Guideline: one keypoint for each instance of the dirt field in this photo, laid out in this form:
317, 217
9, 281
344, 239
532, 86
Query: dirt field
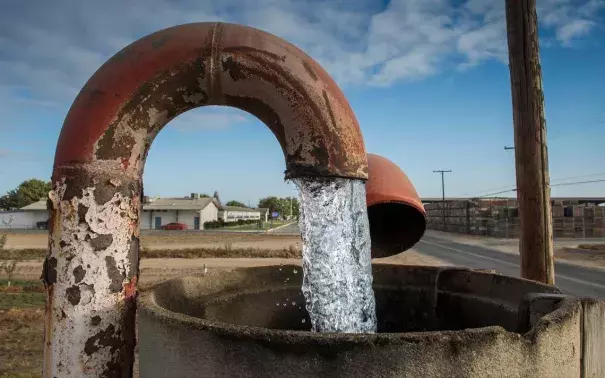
159, 269
173, 240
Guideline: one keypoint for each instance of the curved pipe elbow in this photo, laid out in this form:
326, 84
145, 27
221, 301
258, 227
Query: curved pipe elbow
141, 88
395, 211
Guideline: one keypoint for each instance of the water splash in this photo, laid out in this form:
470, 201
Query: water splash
337, 271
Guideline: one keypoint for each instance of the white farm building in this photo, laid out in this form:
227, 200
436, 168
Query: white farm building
234, 213
26, 217
192, 211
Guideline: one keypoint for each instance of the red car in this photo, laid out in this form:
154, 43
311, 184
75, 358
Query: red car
174, 226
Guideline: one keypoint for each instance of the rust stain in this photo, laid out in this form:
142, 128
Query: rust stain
257, 51
262, 111
130, 289
310, 71
160, 41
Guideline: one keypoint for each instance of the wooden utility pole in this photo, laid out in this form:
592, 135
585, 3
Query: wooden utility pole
531, 154
443, 196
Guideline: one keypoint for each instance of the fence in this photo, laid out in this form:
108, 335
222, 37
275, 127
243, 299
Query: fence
499, 217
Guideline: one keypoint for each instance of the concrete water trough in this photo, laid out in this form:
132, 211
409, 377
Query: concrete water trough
432, 322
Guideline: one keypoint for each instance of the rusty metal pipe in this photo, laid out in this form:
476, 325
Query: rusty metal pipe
91, 270
396, 214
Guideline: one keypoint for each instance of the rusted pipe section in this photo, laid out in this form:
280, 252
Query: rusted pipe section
396, 214
92, 266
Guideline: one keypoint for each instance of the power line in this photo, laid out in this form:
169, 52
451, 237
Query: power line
580, 176
561, 184
493, 194
578, 182
481, 194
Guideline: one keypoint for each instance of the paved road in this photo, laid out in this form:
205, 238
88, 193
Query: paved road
291, 229
572, 279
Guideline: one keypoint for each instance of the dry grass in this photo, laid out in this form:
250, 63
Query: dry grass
593, 256
593, 247
23, 254
171, 239
225, 251
22, 335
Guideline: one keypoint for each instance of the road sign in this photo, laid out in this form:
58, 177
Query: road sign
274, 214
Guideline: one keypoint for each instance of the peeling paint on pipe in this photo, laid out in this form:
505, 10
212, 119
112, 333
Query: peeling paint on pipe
132, 96
91, 270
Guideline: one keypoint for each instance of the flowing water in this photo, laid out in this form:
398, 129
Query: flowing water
337, 281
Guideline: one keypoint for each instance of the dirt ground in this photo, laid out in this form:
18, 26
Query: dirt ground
22, 335
175, 240
160, 269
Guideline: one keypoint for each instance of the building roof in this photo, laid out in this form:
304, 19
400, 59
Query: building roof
241, 209
39, 205
158, 204
169, 204
180, 204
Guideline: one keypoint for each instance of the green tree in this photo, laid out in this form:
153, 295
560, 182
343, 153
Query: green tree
26, 193
235, 203
204, 195
272, 203
281, 205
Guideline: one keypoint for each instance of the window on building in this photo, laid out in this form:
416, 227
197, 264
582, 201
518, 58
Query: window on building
568, 211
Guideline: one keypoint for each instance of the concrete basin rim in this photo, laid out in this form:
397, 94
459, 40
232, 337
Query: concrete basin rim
148, 305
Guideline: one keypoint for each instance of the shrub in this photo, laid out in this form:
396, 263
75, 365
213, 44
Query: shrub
9, 267
214, 224
220, 223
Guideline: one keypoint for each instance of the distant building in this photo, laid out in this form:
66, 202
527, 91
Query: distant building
26, 217
235, 213
192, 211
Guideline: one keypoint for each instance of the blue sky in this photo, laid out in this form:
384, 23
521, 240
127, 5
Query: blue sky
428, 81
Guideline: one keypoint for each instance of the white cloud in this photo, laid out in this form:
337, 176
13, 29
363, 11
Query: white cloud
213, 118
49, 49
574, 29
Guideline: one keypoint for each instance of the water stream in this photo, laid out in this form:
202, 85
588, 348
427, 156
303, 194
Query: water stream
337, 282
